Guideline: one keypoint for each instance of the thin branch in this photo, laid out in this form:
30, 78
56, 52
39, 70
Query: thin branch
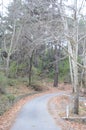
63, 58
81, 38
81, 6
80, 65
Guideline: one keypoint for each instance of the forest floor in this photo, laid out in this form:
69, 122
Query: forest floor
58, 111
7, 119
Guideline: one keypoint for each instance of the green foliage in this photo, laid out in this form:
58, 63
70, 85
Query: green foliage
12, 82
11, 98
35, 70
82, 22
63, 69
46, 69
21, 66
23, 80
13, 68
51, 73
3, 80
5, 102
17, 69
40, 67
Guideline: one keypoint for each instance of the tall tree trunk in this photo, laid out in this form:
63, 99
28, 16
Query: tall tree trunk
56, 68
76, 90
74, 75
36, 59
84, 62
30, 67
73, 51
10, 49
71, 65
76, 103
75, 55
7, 65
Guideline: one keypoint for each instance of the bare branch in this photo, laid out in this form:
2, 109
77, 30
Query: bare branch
81, 38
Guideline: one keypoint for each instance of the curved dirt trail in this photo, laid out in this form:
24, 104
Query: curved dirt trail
34, 115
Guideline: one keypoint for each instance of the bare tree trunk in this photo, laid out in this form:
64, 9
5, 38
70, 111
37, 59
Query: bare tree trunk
84, 62
75, 51
7, 65
71, 65
30, 67
10, 50
76, 103
83, 77
56, 68
74, 76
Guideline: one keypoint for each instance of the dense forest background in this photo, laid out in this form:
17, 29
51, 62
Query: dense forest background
42, 41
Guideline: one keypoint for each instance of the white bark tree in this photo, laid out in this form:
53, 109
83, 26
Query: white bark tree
12, 31
72, 36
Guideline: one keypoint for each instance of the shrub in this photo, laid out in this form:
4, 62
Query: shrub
11, 98
3, 83
13, 68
